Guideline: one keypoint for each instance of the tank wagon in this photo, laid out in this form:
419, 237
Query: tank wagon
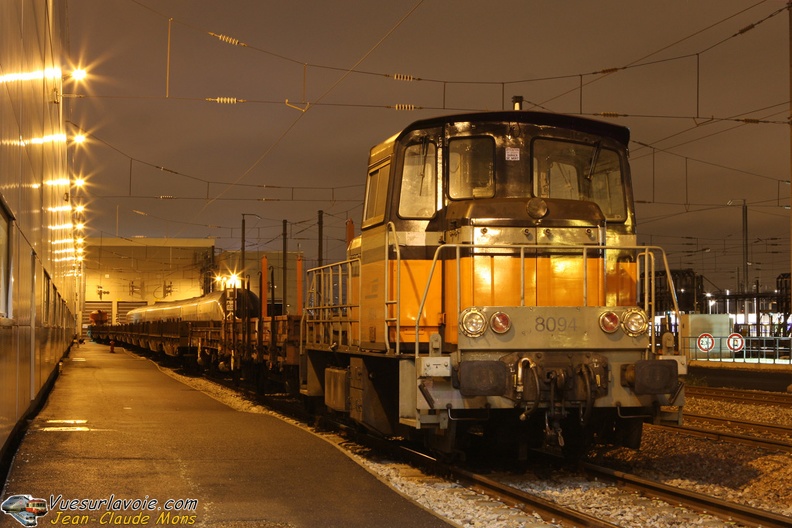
214, 329
496, 290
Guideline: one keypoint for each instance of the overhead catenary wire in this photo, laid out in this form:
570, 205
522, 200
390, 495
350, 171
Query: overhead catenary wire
636, 63
608, 71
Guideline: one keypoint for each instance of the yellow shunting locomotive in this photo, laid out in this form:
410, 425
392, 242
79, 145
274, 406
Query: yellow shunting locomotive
496, 287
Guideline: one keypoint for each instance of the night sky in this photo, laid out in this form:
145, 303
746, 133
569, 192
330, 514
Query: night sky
703, 85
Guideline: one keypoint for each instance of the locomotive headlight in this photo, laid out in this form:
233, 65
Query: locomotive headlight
609, 322
635, 322
500, 322
473, 323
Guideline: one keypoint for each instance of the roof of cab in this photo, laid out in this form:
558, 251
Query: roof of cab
581, 124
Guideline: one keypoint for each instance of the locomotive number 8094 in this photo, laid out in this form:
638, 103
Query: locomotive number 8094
496, 287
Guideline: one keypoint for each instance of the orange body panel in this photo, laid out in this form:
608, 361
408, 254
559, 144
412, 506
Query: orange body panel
555, 281
485, 280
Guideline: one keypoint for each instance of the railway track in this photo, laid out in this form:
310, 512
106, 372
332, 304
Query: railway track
528, 502
734, 437
728, 511
750, 426
739, 396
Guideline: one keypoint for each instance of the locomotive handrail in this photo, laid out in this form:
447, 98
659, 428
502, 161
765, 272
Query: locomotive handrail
391, 229
317, 312
645, 252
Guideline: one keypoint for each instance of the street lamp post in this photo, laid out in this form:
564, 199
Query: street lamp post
242, 256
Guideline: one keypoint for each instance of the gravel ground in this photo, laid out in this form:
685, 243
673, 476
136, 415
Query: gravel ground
751, 476
751, 412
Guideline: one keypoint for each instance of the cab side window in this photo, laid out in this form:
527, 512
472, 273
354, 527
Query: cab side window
418, 196
376, 195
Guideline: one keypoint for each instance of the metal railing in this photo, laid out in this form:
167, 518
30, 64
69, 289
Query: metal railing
392, 240
645, 258
330, 313
732, 349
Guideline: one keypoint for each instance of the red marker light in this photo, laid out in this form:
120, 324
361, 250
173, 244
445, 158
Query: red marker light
609, 322
500, 322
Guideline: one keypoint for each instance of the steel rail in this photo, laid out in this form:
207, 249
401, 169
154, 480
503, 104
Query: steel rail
739, 396
743, 424
728, 511
528, 502
753, 441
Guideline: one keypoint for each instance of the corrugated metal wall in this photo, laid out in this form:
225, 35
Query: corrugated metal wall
37, 291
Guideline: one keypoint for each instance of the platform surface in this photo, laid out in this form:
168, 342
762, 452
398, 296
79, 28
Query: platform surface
134, 446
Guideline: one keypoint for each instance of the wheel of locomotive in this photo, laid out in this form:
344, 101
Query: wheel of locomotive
507, 434
189, 363
629, 432
448, 445
247, 373
603, 427
291, 381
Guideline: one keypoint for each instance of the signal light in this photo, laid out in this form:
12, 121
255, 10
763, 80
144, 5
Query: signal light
500, 322
635, 322
609, 322
473, 323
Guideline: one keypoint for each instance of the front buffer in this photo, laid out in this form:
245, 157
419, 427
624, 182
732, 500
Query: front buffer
564, 376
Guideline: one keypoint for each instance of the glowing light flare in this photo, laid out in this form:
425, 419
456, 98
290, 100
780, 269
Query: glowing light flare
50, 138
229, 281
77, 182
36, 75
59, 181
66, 208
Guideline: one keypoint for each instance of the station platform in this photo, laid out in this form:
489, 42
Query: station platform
120, 442
743, 374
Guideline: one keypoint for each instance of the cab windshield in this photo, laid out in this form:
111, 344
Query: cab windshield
578, 171
554, 168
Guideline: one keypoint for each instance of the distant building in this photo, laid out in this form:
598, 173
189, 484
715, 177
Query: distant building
120, 274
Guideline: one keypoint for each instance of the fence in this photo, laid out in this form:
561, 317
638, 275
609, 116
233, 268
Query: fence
736, 348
